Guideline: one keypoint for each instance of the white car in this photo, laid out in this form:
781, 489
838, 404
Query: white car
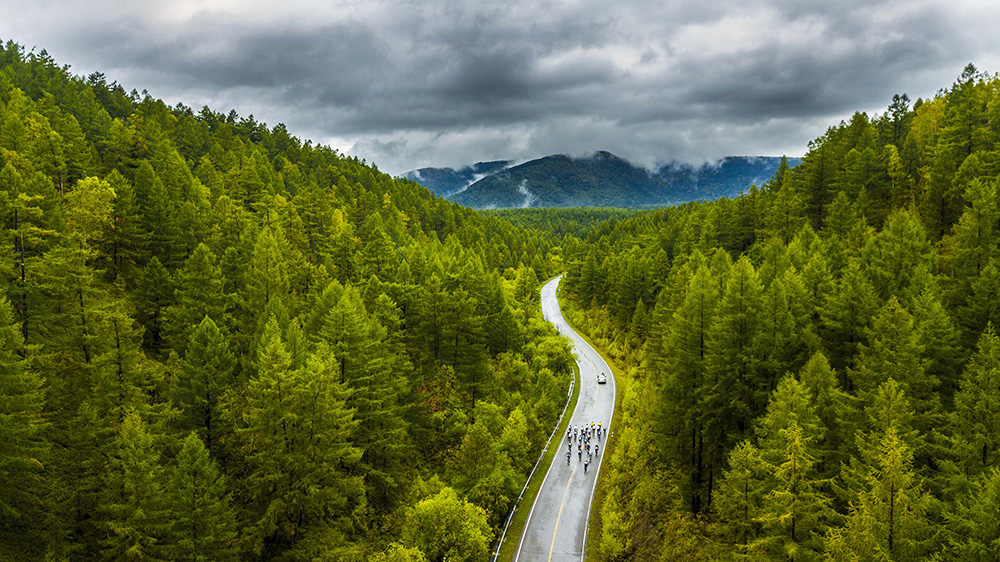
602, 378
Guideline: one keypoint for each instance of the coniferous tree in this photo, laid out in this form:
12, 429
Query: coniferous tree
202, 525
133, 504
974, 242
845, 315
199, 293
796, 510
156, 295
24, 451
972, 523
982, 304
976, 420
888, 517
737, 395
206, 374
685, 386
894, 352
291, 430
739, 502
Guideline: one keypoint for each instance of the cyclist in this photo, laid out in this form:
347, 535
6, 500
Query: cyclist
567, 457
596, 449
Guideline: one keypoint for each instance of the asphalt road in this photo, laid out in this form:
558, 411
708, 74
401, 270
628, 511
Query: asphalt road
557, 524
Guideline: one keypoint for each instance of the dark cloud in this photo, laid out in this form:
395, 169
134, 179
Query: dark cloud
410, 83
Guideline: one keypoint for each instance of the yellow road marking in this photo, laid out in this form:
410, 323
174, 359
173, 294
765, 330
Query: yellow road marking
558, 517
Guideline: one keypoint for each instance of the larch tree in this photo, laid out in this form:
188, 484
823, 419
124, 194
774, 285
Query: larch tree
206, 374
292, 430
976, 420
134, 514
201, 522
24, 450
888, 518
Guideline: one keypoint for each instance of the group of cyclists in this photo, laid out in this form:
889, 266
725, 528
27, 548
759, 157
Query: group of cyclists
582, 435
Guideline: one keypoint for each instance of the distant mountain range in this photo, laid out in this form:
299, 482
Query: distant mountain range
446, 182
602, 180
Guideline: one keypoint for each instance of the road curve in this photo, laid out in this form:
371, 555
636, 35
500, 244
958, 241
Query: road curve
557, 524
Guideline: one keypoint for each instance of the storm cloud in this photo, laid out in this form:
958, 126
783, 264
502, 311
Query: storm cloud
414, 83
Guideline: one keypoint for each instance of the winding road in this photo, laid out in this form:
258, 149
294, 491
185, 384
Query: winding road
556, 529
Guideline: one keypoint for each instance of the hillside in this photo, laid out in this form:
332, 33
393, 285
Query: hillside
447, 182
222, 342
813, 366
605, 180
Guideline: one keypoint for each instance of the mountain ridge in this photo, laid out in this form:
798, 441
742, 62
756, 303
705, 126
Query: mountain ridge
600, 180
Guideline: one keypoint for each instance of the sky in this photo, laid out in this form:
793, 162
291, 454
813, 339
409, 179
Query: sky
407, 84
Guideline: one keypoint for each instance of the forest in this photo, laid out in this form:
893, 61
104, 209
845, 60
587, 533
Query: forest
812, 369
219, 342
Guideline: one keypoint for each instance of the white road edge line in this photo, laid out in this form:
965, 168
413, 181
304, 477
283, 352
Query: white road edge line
552, 465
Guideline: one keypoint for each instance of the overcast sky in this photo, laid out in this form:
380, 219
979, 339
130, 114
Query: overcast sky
415, 83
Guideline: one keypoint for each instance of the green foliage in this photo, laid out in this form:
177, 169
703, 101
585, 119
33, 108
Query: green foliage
292, 429
444, 527
133, 504
202, 523
889, 518
190, 294
24, 451
871, 270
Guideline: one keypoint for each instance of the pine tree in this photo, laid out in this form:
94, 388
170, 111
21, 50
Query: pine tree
739, 502
973, 523
199, 293
202, 525
982, 305
795, 512
834, 408
123, 245
779, 340
737, 394
374, 371
976, 420
899, 249
791, 403
159, 217
894, 352
888, 518
684, 387
24, 218
940, 339
133, 502
155, 296
292, 431
785, 214
206, 374
845, 315
267, 278
974, 242
24, 451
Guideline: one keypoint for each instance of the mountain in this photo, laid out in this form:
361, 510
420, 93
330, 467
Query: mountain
601, 180
727, 177
446, 182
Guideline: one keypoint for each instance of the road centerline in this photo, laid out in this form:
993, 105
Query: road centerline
558, 517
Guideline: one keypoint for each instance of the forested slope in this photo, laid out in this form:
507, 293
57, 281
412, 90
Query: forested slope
222, 343
814, 367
